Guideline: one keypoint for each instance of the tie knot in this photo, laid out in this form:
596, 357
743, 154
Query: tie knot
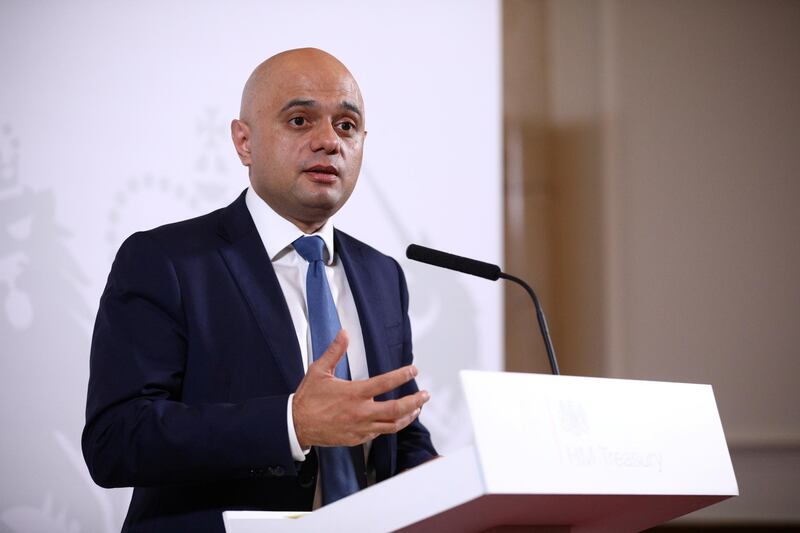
310, 248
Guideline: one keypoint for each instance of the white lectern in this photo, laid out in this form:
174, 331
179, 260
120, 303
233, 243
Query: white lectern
550, 454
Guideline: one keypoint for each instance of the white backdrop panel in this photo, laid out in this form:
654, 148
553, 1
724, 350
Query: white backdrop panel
114, 118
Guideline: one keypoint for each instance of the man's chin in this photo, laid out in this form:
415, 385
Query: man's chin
322, 201
319, 211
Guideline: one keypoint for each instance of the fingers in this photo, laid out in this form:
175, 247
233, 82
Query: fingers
331, 357
393, 410
396, 425
378, 385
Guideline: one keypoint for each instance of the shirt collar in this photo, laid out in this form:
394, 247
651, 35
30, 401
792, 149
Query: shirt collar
278, 234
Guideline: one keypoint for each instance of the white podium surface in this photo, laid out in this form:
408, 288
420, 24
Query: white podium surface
585, 455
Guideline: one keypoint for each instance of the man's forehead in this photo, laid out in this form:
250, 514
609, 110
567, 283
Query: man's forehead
310, 76
310, 82
316, 90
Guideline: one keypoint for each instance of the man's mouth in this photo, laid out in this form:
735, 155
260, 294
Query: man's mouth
322, 173
323, 169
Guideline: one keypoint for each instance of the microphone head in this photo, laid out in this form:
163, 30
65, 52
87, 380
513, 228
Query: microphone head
453, 262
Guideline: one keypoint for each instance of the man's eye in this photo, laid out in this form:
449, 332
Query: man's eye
347, 126
298, 121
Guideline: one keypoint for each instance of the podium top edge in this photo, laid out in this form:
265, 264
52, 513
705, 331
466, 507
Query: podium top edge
538, 375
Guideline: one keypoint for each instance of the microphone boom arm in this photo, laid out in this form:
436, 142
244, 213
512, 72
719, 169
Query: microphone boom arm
548, 343
488, 271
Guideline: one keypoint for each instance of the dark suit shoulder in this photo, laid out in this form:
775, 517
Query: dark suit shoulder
369, 253
187, 236
198, 235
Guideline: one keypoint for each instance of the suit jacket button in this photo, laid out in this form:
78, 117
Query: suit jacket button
278, 471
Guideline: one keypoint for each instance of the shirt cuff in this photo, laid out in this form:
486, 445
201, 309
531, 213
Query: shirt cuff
298, 453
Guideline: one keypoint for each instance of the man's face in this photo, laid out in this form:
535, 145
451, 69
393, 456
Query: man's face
305, 139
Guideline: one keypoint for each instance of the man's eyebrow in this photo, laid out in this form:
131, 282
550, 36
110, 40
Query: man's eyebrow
298, 102
350, 106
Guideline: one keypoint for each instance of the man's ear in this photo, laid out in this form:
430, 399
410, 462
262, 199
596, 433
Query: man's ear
240, 133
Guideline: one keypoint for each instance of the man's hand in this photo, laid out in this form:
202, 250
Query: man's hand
329, 411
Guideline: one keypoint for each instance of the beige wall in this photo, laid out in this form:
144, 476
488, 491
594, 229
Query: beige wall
653, 183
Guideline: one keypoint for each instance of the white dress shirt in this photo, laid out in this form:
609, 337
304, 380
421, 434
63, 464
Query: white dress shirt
277, 234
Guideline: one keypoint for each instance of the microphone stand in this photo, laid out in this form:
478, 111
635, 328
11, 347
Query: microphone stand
488, 271
548, 343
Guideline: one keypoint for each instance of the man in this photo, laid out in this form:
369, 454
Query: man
197, 394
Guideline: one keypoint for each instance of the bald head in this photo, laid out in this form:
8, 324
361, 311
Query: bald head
288, 66
301, 133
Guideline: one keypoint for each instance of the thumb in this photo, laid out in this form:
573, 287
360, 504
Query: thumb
331, 357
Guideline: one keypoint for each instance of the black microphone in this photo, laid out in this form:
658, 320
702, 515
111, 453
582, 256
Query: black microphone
488, 271
453, 262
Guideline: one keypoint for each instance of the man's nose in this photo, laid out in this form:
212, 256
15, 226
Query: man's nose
324, 137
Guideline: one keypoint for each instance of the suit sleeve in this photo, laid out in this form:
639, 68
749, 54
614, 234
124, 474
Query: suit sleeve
414, 445
138, 432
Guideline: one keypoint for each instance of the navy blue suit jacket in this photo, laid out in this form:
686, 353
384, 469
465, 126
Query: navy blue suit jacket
193, 358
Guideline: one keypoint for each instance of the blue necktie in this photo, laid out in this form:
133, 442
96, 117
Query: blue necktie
337, 471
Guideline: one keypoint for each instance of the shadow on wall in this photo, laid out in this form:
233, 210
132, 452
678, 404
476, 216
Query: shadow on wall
445, 341
44, 325
445, 328
45, 486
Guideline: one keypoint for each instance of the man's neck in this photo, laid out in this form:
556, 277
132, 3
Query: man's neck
306, 227
277, 231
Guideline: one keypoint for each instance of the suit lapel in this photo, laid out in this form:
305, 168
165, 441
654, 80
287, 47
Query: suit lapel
249, 264
369, 304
